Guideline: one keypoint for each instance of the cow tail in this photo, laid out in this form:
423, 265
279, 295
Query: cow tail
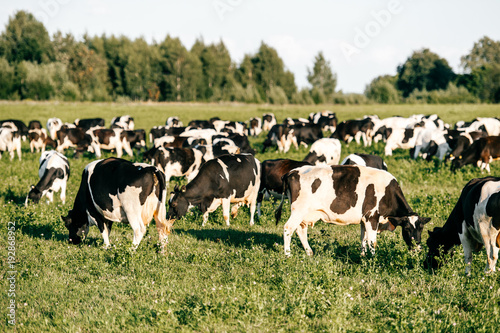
161, 211
277, 213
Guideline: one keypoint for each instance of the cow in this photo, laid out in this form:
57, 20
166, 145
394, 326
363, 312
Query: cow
305, 134
116, 190
177, 162
489, 125
268, 121
347, 194
136, 138
474, 222
431, 142
404, 138
367, 160
123, 122
108, 139
279, 135
229, 127
54, 125
200, 124
73, 137
223, 146
271, 183
463, 141
34, 124
221, 181
157, 132
173, 122
22, 129
39, 139
255, 126
480, 153
238, 140
355, 129
10, 141
54, 174
325, 151
88, 123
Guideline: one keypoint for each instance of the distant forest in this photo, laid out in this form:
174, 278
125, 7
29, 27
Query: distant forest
35, 66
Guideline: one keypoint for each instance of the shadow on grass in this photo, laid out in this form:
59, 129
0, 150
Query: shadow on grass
10, 196
45, 231
237, 238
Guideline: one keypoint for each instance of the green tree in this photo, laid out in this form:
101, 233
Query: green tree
7, 79
383, 90
484, 52
25, 38
423, 70
321, 77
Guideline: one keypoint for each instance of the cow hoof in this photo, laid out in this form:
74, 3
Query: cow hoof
309, 252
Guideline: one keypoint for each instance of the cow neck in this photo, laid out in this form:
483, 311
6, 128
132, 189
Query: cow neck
47, 180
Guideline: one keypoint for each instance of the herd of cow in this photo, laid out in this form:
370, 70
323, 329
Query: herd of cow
218, 161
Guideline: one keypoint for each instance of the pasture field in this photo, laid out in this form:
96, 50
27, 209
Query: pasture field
237, 279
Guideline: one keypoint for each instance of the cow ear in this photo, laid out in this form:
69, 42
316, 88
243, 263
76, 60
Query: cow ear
183, 188
32, 186
395, 221
425, 220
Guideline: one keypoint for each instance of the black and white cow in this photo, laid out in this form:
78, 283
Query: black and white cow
116, 190
75, 138
108, 139
255, 126
404, 138
173, 122
178, 162
34, 124
123, 122
54, 125
463, 141
431, 142
54, 174
10, 141
481, 153
345, 195
221, 181
22, 129
326, 119
268, 121
372, 161
229, 127
135, 138
355, 129
39, 139
271, 183
474, 223
324, 151
200, 124
305, 134
238, 140
279, 135
88, 123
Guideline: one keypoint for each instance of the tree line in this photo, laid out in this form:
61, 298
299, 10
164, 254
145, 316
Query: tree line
34, 65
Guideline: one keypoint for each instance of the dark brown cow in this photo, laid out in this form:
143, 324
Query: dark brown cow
355, 129
480, 153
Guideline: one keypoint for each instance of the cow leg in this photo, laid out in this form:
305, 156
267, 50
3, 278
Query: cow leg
468, 244
106, 230
226, 207
368, 237
253, 206
290, 226
213, 206
63, 192
490, 234
128, 149
50, 196
302, 233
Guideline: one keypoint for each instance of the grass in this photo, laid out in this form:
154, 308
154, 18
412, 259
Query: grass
236, 278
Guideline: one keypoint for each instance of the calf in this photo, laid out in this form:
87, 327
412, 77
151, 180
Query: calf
324, 151
88, 123
123, 122
116, 190
474, 222
480, 153
255, 126
39, 139
177, 162
10, 141
347, 195
221, 181
367, 160
271, 183
54, 174
54, 125
268, 121
108, 139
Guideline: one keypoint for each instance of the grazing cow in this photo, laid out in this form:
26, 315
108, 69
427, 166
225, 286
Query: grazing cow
480, 153
123, 122
367, 160
22, 129
328, 123
223, 146
221, 181
463, 141
324, 151
404, 138
135, 138
268, 121
474, 223
10, 141
116, 190
305, 134
177, 162
255, 127
34, 124
279, 135
489, 125
238, 140
206, 134
73, 137
431, 142
39, 139
200, 124
355, 129
87, 124
157, 132
54, 174
229, 127
54, 125
345, 195
173, 122
108, 139
271, 183
315, 117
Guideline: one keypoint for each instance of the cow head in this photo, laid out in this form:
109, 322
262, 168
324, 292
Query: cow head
412, 227
178, 203
34, 195
457, 163
78, 227
439, 243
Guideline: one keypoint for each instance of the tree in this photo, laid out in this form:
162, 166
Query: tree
321, 77
7, 76
25, 38
485, 52
382, 89
423, 70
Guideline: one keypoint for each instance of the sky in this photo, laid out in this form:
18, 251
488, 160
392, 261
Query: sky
362, 39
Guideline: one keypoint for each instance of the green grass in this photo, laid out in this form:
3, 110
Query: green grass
219, 279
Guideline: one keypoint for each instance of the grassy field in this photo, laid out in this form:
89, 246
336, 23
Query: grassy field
236, 278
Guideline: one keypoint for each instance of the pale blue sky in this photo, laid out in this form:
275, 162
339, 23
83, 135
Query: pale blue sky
297, 29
